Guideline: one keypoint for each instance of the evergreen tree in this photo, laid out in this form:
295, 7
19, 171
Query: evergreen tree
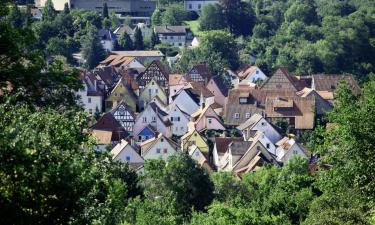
15, 17
156, 18
138, 39
48, 12
66, 10
154, 39
105, 13
92, 49
126, 42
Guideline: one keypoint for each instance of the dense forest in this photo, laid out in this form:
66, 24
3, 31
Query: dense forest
51, 174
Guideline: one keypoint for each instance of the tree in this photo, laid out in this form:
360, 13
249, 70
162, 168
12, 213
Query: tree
154, 39
221, 43
128, 21
48, 11
212, 18
66, 10
105, 13
138, 39
174, 15
115, 21
126, 42
15, 17
156, 18
60, 184
106, 23
92, 49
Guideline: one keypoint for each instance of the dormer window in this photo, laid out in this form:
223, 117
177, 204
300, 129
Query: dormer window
236, 115
162, 140
243, 100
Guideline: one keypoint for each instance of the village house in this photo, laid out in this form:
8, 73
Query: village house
288, 148
122, 63
200, 74
205, 118
251, 73
125, 116
257, 123
146, 133
201, 158
218, 89
108, 131
245, 156
322, 106
193, 137
107, 39
221, 147
283, 80
107, 78
150, 91
121, 92
159, 147
91, 97
124, 152
156, 117
176, 83
157, 72
173, 35
180, 120
264, 140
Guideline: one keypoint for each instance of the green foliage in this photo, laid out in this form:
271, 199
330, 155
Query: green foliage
50, 173
167, 49
156, 18
115, 21
125, 42
212, 18
105, 13
66, 10
48, 11
128, 21
15, 17
58, 46
138, 40
92, 49
174, 14
154, 39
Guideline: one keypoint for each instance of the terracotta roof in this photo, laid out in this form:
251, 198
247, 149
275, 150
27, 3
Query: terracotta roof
329, 82
222, 143
171, 29
108, 123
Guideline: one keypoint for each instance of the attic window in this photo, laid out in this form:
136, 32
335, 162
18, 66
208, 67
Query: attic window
268, 145
263, 123
257, 72
162, 140
243, 100
127, 158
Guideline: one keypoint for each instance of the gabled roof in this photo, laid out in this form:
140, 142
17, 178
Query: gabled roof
285, 144
239, 147
246, 70
199, 89
124, 29
147, 145
175, 79
119, 148
108, 123
220, 84
127, 108
160, 67
127, 87
222, 143
298, 84
251, 122
106, 34
330, 82
171, 29
108, 75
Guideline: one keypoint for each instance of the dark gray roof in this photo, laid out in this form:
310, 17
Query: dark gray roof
220, 84
171, 29
240, 147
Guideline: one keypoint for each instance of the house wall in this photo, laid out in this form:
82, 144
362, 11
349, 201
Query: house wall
129, 152
150, 91
295, 150
152, 153
134, 65
195, 139
107, 45
219, 97
216, 157
90, 103
256, 75
175, 40
173, 90
197, 6
179, 128
118, 94
268, 130
153, 120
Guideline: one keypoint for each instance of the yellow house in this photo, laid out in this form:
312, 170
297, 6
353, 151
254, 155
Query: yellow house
193, 138
121, 92
152, 90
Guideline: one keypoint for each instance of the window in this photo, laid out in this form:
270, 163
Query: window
149, 91
190, 6
115, 94
139, 137
181, 128
178, 118
268, 145
165, 151
179, 44
172, 118
158, 150
199, 6
209, 121
153, 119
295, 152
196, 153
127, 158
162, 140
144, 119
257, 72
237, 115
171, 37
156, 91
89, 100
263, 124
175, 91
243, 100
90, 111
247, 115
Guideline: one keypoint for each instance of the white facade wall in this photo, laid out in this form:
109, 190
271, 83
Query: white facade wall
197, 6
185, 103
175, 40
90, 103
129, 155
180, 126
256, 75
154, 153
268, 130
149, 117
295, 150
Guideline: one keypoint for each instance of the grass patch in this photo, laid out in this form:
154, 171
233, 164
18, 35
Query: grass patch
194, 26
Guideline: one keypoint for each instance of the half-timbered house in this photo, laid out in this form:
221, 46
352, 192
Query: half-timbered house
155, 71
199, 73
125, 116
